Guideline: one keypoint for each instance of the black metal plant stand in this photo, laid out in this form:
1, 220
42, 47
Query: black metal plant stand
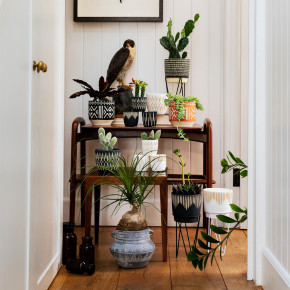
180, 234
180, 87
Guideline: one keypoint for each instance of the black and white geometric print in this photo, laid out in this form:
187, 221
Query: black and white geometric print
103, 158
177, 67
139, 104
149, 119
101, 110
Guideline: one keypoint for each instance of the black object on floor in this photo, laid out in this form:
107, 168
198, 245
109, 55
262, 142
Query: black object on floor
79, 267
69, 242
87, 250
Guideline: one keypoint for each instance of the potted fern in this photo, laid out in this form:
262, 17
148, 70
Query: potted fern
106, 153
101, 109
150, 143
177, 65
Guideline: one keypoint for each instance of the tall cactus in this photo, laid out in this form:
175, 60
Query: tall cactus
170, 43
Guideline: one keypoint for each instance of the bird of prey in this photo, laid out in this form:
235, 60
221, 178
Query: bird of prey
121, 62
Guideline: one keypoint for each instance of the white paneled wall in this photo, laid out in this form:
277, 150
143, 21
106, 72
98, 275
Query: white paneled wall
216, 77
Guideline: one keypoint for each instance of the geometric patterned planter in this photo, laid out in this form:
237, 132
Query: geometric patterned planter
177, 67
103, 157
155, 102
150, 147
101, 113
139, 104
189, 117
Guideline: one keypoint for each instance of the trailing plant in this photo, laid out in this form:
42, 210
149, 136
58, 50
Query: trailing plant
98, 95
151, 136
169, 42
185, 188
199, 259
234, 162
139, 84
106, 141
180, 109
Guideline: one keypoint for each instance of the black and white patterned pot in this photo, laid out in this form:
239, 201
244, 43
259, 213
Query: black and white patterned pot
186, 208
103, 157
131, 119
149, 119
139, 104
177, 67
101, 113
132, 249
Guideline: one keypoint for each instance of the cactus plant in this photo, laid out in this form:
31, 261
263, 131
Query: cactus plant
170, 43
151, 136
139, 84
106, 141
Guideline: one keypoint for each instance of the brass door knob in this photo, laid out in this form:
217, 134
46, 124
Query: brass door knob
41, 66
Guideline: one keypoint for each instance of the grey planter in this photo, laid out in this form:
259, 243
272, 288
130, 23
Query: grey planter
132, 249
177, 67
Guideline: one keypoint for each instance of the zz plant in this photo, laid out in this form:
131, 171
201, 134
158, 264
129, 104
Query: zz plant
151, 136
199, 259
106, 141
169, 42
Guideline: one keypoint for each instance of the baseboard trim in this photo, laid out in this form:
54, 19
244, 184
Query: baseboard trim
280, 271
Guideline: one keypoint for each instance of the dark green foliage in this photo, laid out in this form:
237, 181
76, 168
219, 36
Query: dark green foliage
234, 162
169, 42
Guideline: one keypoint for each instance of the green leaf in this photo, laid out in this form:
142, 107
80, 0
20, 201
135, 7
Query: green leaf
165, 42
236, 208
144, 136
209, 238
225, 169
196, 251
239, 160
244, 173
218, 230
182, 44
212, 256
237, 215
195, 263
205, 261
203, 245
177, 36
191, 256
233, 157
184, 55
225, 219
157, 135
200, 266
243, 218
224, 163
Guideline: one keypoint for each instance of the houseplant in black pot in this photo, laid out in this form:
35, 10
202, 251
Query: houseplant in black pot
139, 103
106, 153
186, 198
178, 66
101, 109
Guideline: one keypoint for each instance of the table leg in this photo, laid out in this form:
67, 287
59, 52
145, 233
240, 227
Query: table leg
88, 209
83, 164
164, 212
97, 191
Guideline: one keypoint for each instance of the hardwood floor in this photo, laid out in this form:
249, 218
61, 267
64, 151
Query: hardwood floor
175, 274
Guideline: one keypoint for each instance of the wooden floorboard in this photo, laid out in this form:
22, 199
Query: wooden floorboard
175, 274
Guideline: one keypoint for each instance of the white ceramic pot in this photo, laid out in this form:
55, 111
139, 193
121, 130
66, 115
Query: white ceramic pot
155, 102
150, 147
143, 162
217, 201
158, 162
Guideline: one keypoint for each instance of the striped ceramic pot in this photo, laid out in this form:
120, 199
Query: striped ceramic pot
139, 104
177, 67
155, 102
101, 113
217, 201
186, 208
149, 119
131, 119
189, 118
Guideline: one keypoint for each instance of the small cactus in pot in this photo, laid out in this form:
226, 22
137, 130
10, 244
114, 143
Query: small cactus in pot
139, 103
150, 143
107, 152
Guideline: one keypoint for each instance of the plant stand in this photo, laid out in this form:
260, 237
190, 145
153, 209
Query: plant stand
180, 234
181, 84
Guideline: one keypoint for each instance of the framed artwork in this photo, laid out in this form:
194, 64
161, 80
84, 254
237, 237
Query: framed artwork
118, 10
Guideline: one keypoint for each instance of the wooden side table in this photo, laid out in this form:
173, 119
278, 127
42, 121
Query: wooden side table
196, 133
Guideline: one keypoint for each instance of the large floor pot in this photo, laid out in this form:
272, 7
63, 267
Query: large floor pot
139, 104
177, 67
189, 118
155, 102
103, 157
101, 113
186, 208
217, 201
132, 249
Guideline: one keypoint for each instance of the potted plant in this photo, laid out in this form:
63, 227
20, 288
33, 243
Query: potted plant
150, 143
132, 247
155, 102
139, 102
101, 110
106, 153
176, 65
186, 197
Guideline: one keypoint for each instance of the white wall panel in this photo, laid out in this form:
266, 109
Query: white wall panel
91, 46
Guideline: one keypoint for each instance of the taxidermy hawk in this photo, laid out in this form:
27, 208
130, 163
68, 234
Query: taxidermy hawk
121, 62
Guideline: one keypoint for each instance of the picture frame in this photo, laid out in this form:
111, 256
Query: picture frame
109, 11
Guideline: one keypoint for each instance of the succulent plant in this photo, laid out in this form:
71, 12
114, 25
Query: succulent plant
151, 136
106, 141
139, 84
170, 43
